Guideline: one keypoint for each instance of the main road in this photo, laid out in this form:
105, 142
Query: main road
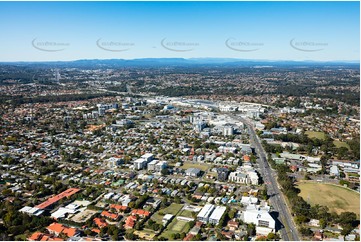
288, 231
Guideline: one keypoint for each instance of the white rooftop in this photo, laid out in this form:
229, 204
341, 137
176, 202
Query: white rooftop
206, 211
218, 213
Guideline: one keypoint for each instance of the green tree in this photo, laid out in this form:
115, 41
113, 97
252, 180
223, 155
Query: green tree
251, 229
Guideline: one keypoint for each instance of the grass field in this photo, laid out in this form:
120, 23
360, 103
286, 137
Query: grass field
186, 213
200, 166
173, 209
314, 134
336, 198
175, 227
340, 144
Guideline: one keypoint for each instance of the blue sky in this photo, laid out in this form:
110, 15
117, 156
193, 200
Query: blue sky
31, 31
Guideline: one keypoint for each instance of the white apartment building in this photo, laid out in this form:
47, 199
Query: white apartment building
264, 222
140, 163
217, 215
238, 177
151, 165
205, 213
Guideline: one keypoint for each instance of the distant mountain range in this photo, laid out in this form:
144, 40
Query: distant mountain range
174, 62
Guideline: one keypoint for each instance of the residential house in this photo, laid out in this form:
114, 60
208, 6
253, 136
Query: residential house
140, 213
109, 215
130, 222
56, 228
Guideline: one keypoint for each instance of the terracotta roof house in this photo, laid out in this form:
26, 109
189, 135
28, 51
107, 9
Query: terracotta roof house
100, 222
109, 215
140, 212
56, 228
130, 222
118, 208
38, 236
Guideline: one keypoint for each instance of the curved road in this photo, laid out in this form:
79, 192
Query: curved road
288, 231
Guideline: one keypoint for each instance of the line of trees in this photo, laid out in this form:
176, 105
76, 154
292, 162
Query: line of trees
16, 223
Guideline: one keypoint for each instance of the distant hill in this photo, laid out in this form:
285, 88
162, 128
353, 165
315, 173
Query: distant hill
174, 62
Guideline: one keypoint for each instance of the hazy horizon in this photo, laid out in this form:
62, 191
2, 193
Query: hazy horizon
216, 59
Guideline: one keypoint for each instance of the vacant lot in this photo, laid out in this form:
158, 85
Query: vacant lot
200, 166
336, 198
173, 209
340, 144
83, 216
314, 134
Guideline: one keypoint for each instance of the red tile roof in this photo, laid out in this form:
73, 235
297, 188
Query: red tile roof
96, 230
55, 227
35, 236
140, 212
55, 239
118, 207
58, 197
109, 215
100, 222
59, 228
130, 222
69, 231
45, 238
